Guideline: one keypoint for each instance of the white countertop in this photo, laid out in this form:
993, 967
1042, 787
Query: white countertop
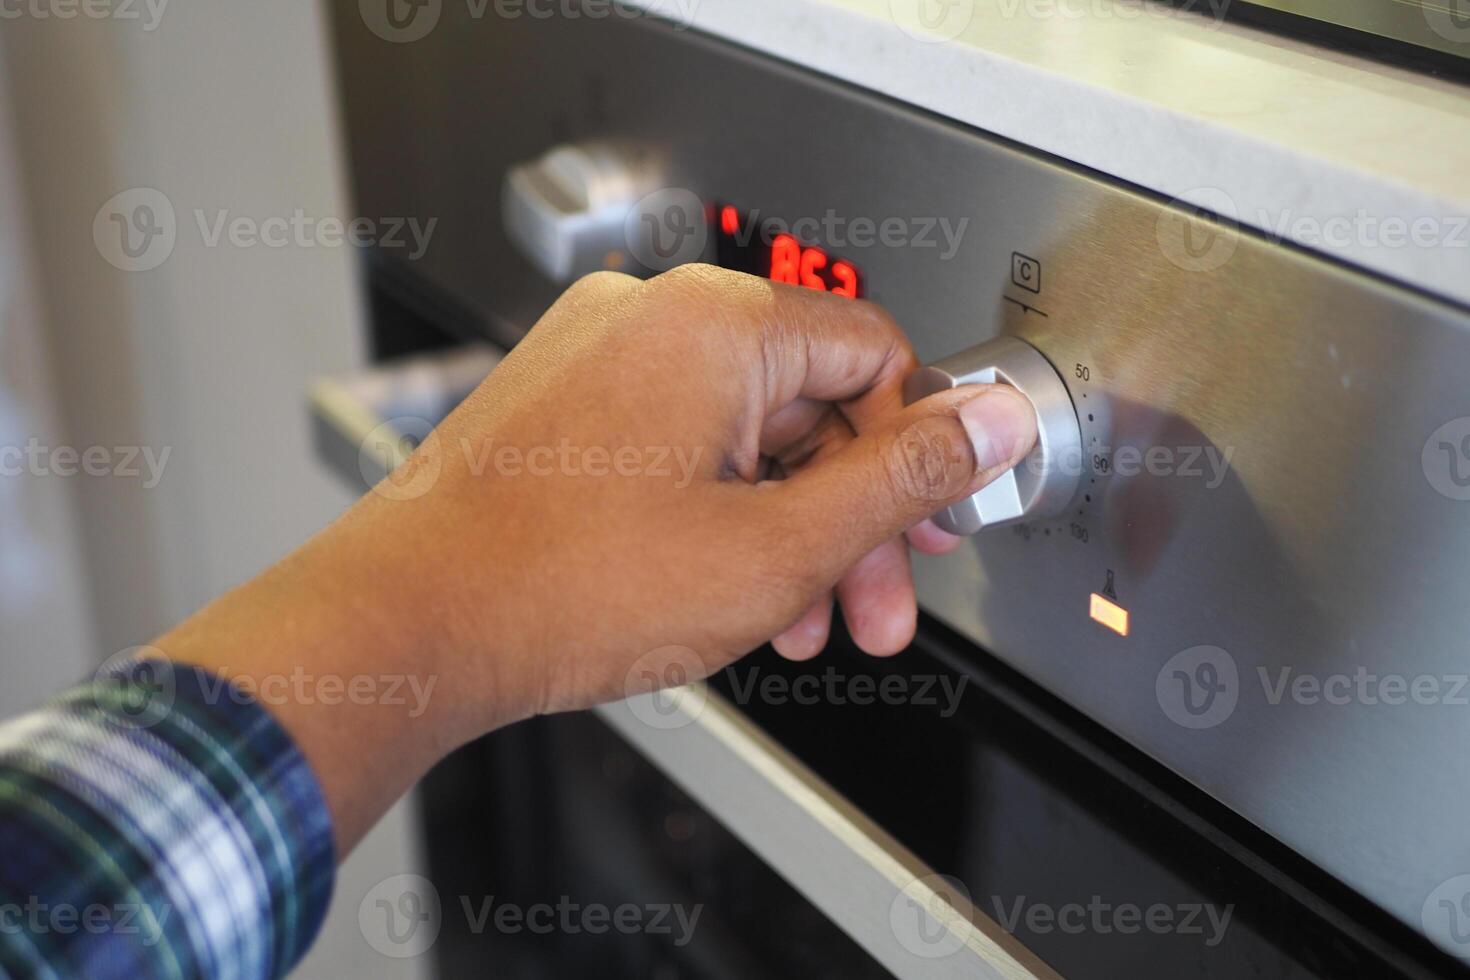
1345, 156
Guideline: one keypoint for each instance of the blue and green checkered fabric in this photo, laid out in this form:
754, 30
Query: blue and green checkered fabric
156, 822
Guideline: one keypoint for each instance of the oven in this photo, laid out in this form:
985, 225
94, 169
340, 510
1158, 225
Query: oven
1196, 715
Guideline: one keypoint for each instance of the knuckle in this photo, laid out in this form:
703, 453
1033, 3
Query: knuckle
728, 304
881, 320
715, 291
692, 277
601, 283
905, 360
928, 461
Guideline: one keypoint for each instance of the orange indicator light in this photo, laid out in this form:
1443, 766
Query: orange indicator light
1109, 613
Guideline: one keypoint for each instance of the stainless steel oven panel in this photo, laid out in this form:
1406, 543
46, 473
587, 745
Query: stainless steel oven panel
1335, 543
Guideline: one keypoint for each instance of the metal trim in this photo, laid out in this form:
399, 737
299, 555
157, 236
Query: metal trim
846, 865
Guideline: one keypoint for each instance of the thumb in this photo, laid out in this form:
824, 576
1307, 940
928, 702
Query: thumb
937, 452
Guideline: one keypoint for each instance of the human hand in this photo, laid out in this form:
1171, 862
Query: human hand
662, 473
719, 456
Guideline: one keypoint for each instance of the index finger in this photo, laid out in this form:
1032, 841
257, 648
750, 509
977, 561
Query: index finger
809, 344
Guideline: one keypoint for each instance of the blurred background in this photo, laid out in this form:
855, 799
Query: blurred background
207, 357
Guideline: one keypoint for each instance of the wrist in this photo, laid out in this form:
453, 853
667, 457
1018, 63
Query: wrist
341, 646
411, 610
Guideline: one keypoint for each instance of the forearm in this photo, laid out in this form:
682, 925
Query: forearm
182, 814
345, 643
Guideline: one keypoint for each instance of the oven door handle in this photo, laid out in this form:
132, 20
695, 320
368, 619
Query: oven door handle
908, 918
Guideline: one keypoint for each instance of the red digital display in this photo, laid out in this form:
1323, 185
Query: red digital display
764, 248
729, 220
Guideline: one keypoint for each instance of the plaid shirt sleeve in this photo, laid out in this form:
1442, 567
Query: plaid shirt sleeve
157, 822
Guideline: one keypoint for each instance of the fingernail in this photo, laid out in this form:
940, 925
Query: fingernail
1001, 426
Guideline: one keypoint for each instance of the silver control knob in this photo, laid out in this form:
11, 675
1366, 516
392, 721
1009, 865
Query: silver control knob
1042, 484
567, 209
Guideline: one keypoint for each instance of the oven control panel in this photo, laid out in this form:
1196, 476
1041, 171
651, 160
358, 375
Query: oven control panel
1256, 572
